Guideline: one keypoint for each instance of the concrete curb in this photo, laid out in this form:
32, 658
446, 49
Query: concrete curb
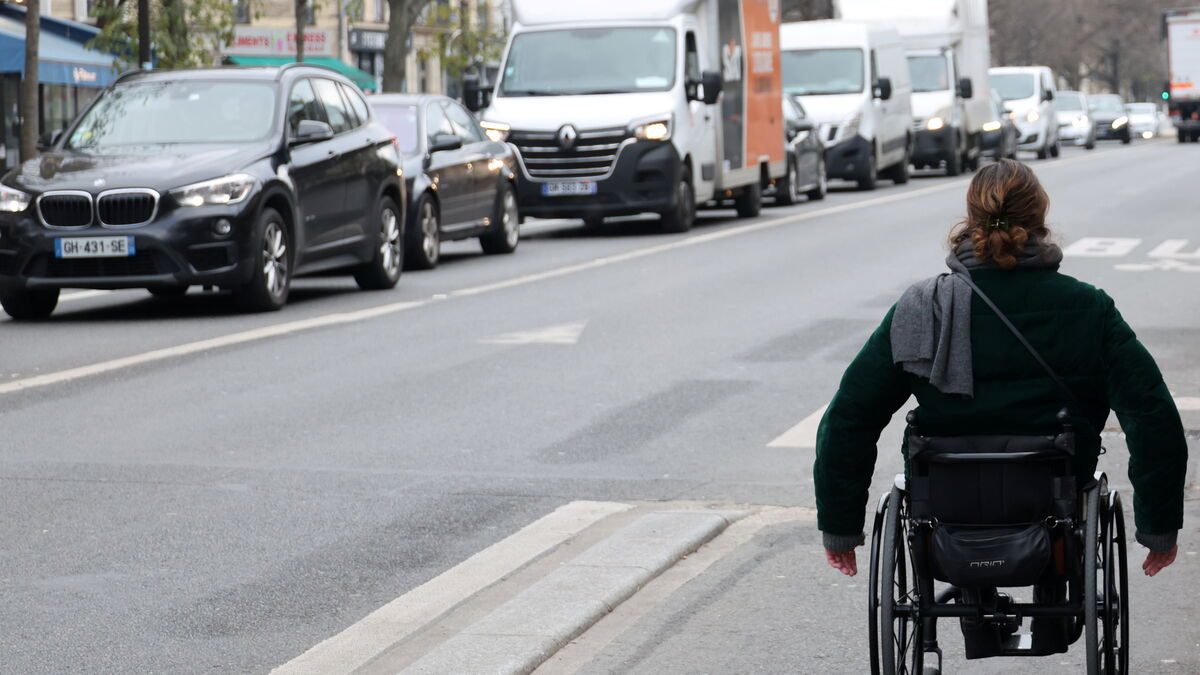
520, 634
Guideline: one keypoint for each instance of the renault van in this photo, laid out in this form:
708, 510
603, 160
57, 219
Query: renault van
853, 79
1028, 93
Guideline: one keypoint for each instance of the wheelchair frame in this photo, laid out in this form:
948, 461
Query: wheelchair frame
903, 608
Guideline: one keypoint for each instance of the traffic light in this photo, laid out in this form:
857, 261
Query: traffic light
1166, 96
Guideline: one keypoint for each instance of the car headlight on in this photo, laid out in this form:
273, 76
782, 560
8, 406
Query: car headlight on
12, 200
1120, 122
653, 130
218, 191
991, 126
934, 123
497, 132
1032, 116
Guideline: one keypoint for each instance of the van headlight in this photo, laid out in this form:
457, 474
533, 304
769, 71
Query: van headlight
1120, 122
935, 123
231, 189
1032, 116
13, 200
497, 132
653, 130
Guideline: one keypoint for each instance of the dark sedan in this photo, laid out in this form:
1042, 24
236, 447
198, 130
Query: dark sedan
805, 158
1112, 123
999, 134
460, 182
232, 178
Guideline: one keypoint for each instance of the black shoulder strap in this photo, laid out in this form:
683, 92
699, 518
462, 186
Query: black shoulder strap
966, 278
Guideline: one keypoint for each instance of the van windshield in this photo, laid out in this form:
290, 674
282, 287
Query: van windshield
178, 111
1012, 85
815, 72
590, 61
929, 73
1067, 101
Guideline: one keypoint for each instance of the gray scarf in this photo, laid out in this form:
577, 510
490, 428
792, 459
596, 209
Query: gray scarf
931, 328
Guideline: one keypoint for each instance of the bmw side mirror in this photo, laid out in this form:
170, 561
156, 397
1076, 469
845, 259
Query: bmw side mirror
311, 131
883, 88
709, 90
965, 89
48, 141
443, 142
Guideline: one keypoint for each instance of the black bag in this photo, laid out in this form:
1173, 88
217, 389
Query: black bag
973, 556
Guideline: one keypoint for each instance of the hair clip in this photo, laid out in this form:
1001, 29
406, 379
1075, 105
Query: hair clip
997, 223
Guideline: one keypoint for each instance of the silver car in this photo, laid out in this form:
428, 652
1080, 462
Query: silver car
1143, 119
1075, 123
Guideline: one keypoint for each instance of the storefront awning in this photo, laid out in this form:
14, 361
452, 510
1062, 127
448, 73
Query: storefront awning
60, 61
363, 79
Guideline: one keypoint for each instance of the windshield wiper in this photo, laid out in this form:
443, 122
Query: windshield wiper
535, 92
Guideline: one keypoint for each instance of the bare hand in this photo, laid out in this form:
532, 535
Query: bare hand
845, 562
1155, 562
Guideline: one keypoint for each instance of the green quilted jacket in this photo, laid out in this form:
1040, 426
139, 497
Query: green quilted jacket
1078, 330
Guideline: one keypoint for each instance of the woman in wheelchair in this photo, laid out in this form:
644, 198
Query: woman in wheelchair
1015, 367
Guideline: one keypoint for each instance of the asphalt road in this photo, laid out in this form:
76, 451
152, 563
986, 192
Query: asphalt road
176, 505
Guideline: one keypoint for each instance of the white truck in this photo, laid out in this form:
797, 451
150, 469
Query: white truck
1182, 27
624, 107
948, 59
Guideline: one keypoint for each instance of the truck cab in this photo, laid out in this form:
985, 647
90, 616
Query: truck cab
640, 106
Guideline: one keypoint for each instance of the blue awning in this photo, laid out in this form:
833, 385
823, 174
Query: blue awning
60, 61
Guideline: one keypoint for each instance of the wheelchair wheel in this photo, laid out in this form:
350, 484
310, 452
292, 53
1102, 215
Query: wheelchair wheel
1093, 567
900, 627
1115, 639
873, 584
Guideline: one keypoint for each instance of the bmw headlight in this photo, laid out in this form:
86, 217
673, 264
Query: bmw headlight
1032, 116
993, 125
1120, 122
218, 191
12, 200
497, 132
653, 130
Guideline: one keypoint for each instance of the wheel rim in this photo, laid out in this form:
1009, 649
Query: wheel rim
275, 264
389, 240
901, 631
510, 221
430, 232
793, 185
822, 177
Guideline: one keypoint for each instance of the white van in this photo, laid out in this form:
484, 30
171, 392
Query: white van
636, 106
1028, 93
853, 80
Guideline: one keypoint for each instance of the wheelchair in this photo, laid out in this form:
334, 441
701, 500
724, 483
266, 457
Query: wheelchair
982, 513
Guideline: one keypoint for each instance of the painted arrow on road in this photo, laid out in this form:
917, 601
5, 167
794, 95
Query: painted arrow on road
561, 334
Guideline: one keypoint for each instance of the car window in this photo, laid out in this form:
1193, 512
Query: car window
435, 121
463, 123
351, 113
303, 105
335, 107
357, 104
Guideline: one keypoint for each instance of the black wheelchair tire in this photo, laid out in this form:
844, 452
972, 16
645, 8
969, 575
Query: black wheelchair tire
873, 599
895, 638
1091, 551
1116, 590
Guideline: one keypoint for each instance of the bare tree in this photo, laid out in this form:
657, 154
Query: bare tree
301, 22
403, 15
30, 115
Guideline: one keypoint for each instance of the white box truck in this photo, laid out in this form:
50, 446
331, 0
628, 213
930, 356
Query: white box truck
948, 59
1182, 28
624, 107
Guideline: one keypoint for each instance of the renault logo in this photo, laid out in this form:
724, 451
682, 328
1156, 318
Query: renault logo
567, 136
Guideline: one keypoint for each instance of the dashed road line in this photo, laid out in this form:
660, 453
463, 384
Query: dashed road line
804, 434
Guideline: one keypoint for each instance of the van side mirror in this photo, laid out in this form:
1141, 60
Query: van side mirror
883, 88
1048, 96
965, 90
443, 142
709, 88
475, 96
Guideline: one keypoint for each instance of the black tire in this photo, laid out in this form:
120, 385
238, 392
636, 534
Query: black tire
898, 173
683, 216
593, 223
1116, 590
866, 180
954, 164
423, 236
271, 278
1091, 142
899, 635
505, 233
1127, 139
168, 291
1054, 150
1043, 153
384, 269
1091, 549
873, 599
787, 191
818, 193
748, 201
24, 303
1180, 136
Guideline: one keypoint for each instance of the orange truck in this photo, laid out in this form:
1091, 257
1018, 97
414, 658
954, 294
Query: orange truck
625, 107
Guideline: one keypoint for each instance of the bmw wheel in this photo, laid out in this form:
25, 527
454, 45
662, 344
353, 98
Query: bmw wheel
384, 269
25, 303
424, 243
271, 278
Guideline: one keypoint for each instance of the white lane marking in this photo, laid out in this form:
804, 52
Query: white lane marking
82, 295
1102, 247
804, 434
401, 617
1173, 248
1187, 402
562, 334
391, 308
